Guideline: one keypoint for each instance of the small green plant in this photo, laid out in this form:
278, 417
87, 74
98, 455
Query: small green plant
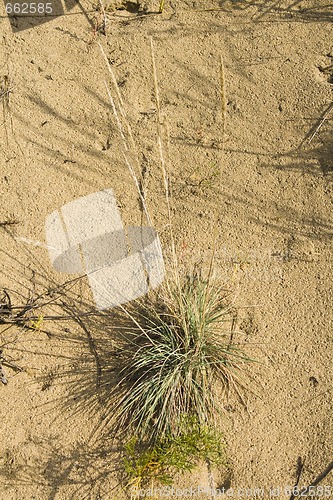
176, 352
146, 465
208, 181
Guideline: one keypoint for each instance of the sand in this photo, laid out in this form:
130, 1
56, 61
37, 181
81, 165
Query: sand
59, 142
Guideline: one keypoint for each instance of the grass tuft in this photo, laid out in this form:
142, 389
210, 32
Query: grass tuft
176, 351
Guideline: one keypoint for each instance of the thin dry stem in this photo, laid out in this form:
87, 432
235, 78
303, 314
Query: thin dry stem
126, 147
217, 207
223, 98
223, 122
121, 107
163, 165
104, 16
324, 117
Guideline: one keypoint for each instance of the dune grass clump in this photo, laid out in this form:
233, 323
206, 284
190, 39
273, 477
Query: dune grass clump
176, 352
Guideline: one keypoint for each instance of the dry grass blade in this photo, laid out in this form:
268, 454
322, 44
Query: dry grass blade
160, 121
104, 22
4, 93
316, 128
125, 132
162, 129
321, 122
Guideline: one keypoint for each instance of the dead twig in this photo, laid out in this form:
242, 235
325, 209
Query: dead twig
9, 364
3, 377
308, 490
316, 481
5, 303
10, 222
300, 465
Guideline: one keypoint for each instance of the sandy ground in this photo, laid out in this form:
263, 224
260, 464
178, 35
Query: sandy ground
58, 141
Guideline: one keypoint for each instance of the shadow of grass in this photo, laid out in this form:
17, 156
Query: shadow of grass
83, 375
86, 470
284, 10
